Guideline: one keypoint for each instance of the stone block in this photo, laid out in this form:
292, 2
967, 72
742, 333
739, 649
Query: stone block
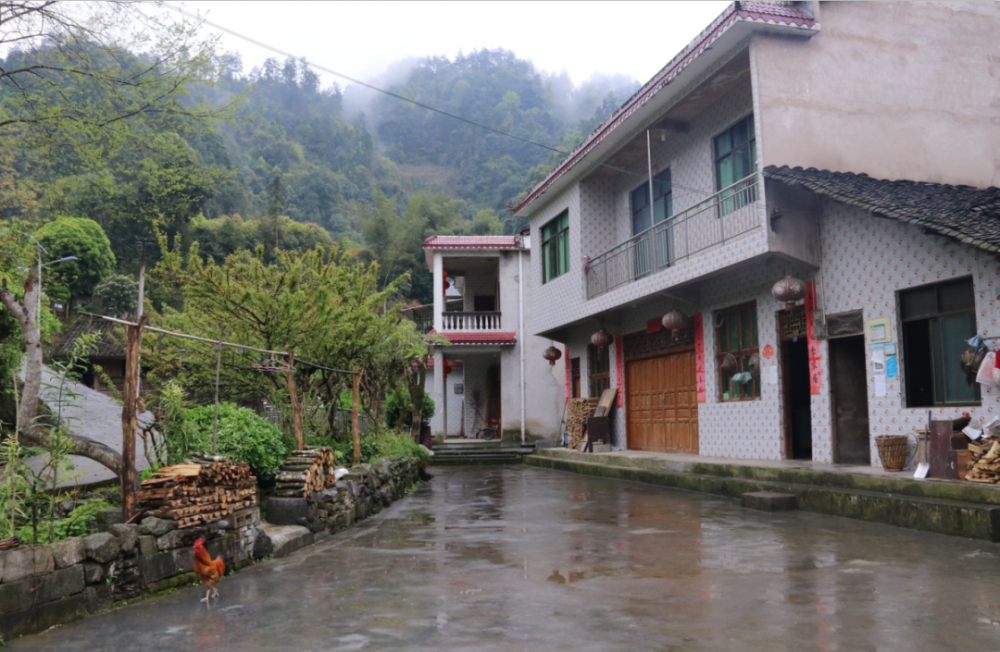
18, 623
288, 511
126, 535
62, 611
102, 547
157, 567
92, 572
183, 559
98, 597
108, 517
26, 561
60, 584
147, 544
262, 546
68, 552
156, 527
385, 496
15, 596
769, 501
286, 539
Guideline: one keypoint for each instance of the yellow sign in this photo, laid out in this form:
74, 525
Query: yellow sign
878, 331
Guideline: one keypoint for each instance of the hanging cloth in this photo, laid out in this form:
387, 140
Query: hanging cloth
986, 371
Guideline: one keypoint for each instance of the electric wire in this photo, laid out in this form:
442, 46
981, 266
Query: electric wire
403, 98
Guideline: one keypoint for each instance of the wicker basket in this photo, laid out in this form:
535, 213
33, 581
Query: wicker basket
892, 451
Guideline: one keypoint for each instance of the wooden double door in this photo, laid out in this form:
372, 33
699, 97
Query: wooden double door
662, 403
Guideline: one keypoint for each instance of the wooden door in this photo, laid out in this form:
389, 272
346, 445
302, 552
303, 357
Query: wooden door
662, 403
849, 383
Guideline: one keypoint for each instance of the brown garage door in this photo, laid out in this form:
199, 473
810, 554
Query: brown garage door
662, 403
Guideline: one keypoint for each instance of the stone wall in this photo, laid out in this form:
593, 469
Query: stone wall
365, 491
46, 585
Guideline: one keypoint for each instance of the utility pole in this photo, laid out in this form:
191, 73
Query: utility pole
133, 338
355, 399
138, 309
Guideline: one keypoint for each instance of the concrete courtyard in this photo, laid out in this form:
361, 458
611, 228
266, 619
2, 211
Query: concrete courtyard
520, 558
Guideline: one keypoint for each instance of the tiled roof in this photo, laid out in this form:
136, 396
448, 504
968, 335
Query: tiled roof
970, 215
498, 337
470, 242
773, 13
110, 344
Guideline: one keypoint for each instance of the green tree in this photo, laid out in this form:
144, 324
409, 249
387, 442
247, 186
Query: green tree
117, 295
84, 239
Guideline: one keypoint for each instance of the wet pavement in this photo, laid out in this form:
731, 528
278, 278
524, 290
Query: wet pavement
520, 558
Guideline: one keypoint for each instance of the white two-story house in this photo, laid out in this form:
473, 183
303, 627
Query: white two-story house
847, 147
491, 373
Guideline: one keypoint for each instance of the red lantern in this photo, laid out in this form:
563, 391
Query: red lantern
444, 282
789, 290
676, 321
602, 339
552, 354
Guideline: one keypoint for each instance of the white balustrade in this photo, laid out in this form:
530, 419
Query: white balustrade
470, 322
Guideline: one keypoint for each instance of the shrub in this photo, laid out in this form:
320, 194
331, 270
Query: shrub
79, 523
397, 443
242, 436
399, 411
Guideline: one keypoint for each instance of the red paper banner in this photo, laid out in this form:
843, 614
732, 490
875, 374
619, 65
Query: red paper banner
618, 365
699, 359
815, 350
569, 394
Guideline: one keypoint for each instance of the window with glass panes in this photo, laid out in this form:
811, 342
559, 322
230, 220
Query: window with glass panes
736, 159
936, 320
662, 203
598, 369
555, 247
736, 334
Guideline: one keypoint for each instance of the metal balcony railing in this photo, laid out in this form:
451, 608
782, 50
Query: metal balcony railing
728, 213
470, 322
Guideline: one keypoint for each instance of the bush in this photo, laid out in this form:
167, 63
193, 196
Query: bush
243, 436
397, 443
399, 410
80, 522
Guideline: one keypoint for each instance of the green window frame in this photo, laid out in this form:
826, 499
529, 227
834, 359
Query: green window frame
663, 206
935, 322
555, 247
735, 152
736, 333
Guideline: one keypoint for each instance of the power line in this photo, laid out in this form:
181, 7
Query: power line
403, 98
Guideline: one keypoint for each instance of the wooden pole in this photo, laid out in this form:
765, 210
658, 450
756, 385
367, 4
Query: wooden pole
354, 416
133, 337
215, 422
294, 398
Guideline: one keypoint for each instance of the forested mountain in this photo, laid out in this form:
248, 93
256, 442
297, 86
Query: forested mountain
286, 154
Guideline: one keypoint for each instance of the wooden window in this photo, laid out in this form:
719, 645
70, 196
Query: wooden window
735, 159
736, 334
574, 377
555, 247
936, 320
599, 370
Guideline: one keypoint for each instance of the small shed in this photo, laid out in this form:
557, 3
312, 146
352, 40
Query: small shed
109, 355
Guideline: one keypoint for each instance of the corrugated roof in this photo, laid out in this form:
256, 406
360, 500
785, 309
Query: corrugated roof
110, 343
967, 214
774, 13
470, 242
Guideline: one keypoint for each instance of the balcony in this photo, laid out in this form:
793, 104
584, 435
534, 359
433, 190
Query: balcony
729, 213
470, 322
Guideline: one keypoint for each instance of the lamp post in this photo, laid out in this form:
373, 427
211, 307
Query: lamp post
64, 259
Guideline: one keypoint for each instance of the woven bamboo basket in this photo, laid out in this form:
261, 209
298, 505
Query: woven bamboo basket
892, 451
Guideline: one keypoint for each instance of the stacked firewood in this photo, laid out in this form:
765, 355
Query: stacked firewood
202, 490
578, 411
985, 460
305, 471
9, 543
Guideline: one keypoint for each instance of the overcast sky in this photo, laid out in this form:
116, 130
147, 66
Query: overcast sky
361, 39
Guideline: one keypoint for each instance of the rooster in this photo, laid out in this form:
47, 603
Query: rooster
208, 570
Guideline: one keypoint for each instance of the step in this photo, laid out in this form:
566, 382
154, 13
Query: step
976, 520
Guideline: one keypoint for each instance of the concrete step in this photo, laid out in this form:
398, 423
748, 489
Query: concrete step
456, 459
827, 495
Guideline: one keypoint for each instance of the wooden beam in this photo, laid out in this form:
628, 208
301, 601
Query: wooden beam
356, 432
129, 484
293, 397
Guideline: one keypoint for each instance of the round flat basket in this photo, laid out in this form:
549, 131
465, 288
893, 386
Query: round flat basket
892, 451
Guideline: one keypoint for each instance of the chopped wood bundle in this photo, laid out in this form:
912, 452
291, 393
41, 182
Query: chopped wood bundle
9, 542
985, 465
577, 413
305, 471
203, 490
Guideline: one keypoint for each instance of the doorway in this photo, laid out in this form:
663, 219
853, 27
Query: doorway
798, 413
849, 383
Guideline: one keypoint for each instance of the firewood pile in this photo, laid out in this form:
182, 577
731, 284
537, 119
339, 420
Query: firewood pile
577, 412
202, 490
305, 471
9, 543
985, 466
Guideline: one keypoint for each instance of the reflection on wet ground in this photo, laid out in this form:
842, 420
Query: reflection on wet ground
519, 558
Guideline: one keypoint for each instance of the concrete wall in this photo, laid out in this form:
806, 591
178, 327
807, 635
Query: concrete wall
455, 401
897, 90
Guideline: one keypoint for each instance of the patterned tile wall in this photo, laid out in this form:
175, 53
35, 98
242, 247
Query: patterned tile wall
867, 260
